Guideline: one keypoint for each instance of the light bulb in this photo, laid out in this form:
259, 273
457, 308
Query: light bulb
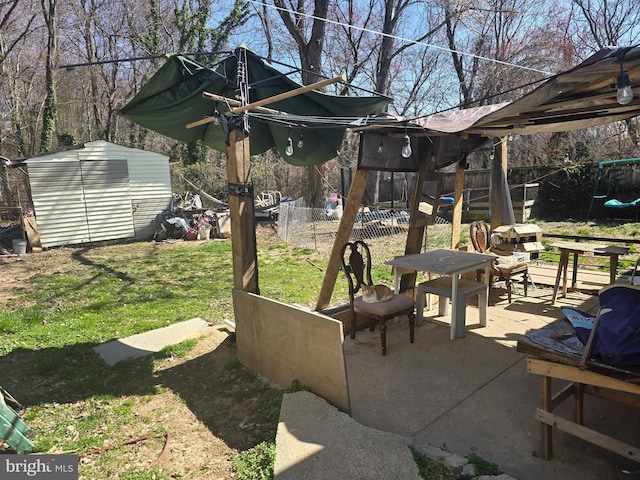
300, 143
624, 95
289, 149
406, 147
380, 147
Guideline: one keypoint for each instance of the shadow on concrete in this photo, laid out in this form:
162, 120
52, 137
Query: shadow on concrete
474, 395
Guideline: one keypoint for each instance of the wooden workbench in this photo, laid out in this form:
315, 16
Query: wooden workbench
555, 354
580, 248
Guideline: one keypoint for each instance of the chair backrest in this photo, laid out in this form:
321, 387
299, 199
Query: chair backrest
356, 264
479, 232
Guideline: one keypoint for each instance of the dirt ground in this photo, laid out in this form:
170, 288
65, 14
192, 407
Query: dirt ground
207, 404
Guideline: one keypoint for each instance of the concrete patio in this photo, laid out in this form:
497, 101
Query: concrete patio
474, 395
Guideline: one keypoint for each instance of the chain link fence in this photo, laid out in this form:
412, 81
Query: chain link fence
385, 231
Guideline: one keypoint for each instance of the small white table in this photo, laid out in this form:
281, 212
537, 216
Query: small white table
442, 261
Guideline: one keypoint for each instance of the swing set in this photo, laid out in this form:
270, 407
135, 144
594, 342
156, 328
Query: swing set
605, 176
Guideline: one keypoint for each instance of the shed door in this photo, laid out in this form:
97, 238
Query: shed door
81, 201
58, 200
107, 197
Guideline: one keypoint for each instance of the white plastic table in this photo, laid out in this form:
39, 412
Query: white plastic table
442, 261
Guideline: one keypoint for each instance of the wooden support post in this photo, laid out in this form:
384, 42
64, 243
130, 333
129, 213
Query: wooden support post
501, 158
349, 213
241, 208
546, 432
415, 235
417, 220
457, 207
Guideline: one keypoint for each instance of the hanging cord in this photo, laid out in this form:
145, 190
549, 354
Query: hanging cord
132, 441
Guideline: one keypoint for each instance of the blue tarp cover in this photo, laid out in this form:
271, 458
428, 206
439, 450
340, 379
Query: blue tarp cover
617, 340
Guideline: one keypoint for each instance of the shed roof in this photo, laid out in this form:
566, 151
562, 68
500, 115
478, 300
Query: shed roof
95, 146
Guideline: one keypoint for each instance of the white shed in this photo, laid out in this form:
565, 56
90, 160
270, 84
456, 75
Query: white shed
98, 191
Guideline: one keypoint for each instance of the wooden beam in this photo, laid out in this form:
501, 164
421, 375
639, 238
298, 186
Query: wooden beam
589, 435
229, 102
242, 213
571, 373
501, 159
258, 105
457, 207
236, 103
289, 94
349, 213
418, 221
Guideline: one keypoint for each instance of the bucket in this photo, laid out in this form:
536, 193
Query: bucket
204, 232
19, 246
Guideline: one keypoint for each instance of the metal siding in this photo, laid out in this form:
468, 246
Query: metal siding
150, 191
58, 200
108, 198
89, 194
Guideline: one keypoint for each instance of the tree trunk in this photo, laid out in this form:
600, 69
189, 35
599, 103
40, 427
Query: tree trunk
49, 114
310, 51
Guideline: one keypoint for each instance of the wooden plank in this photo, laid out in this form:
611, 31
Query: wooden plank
285, 343
588, 434
31, 228
358, 185
612, 396
501, 158
457, 208
574, 374
289, 94
566, 392
418, 220
276, 98
546, 432
236, 103
241, 210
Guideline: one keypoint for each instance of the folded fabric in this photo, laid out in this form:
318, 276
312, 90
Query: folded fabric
617, 340
581, 321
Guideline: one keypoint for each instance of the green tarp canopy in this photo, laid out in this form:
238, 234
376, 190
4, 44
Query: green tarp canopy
172, 98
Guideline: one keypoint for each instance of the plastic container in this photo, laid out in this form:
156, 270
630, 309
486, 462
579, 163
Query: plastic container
19, 246
514, 258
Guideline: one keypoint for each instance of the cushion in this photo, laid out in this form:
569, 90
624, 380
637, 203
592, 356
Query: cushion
396, 304
512, 269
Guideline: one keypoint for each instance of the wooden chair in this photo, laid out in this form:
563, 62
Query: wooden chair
356, 264
480, 238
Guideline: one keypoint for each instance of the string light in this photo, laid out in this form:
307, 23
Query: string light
300, 143
406, 145
625, 94
289, 149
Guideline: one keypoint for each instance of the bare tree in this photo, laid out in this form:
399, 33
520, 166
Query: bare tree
309, 35
13, 27
50, 111
600, 23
